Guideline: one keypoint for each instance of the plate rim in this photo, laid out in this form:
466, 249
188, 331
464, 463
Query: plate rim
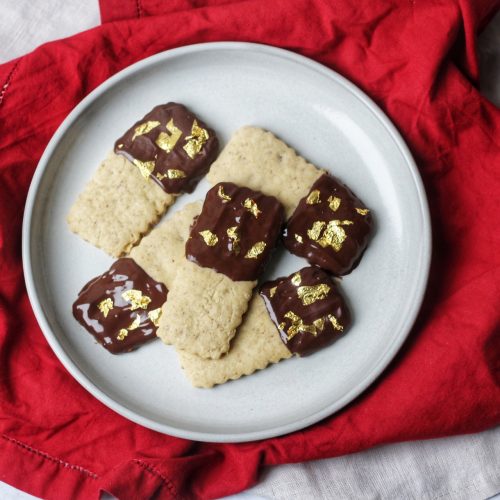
419, 285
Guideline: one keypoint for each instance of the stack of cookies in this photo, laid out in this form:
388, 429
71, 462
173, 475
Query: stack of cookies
193, 279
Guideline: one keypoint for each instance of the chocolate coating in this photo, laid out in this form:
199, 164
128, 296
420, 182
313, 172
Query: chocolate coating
308, 311
174, 170
330, 227
236, 231
111, 326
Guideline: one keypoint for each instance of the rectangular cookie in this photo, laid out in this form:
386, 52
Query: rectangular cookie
229, 244
160, 156
257, 159
117, 207
203, 310
256, 345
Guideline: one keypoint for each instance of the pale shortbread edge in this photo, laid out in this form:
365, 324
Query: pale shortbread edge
203, 310
257, 159
256, 345
162, 251
117, 206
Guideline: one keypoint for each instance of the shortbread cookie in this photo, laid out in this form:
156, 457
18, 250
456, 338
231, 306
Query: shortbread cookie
203, 310
232, 239
307, 309
171, 146
161, 252
121, 307
330, 227
117, 207
257, 159
256, 345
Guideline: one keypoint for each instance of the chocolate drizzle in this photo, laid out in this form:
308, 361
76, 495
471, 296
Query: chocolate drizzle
171, 146
307, 309
330, 227
121, 307
235, 232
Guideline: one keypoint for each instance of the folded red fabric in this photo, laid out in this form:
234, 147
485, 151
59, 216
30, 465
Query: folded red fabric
418, 61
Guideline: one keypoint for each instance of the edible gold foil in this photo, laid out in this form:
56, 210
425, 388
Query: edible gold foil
252, 207
120, 146
313, 197
105, 306
123, 333
298, 325
333, 235
154, 316
232, 232
136, 298
136, 323
296, 279
196, 140
272, 291
311, 294
144, 128
336, 325
362, 211
319, 323
315, 231
167, 142
173, 173
223, 196
209, 238
145, 167
160, 176
256, 250
334, 203
299, 238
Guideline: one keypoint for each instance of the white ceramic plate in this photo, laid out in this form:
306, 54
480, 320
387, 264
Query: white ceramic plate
330, 122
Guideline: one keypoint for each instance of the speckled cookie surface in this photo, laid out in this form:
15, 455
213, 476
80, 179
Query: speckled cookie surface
162, 251
117, 207
257, 159
256, 345
203, 310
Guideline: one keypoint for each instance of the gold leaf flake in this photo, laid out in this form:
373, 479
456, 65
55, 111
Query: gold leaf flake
209, 238
166, 141
272, 291
296, 279
145, 167
333, 235
120, 146
319, 323
105, 306
315, 231
136, 298
154, 316
310, 294
299, 238
313, 197
252, 207
282, 325
196, 140
298, 326
232, 232
136, 323
223, 196
336, 325
160, 176
334, 203
173, 173
144, 128
362, 211
256, 250
123, 333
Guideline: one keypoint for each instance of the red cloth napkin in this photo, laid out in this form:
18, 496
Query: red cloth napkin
417, 59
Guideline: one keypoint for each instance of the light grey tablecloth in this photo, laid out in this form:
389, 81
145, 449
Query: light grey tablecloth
463, 467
